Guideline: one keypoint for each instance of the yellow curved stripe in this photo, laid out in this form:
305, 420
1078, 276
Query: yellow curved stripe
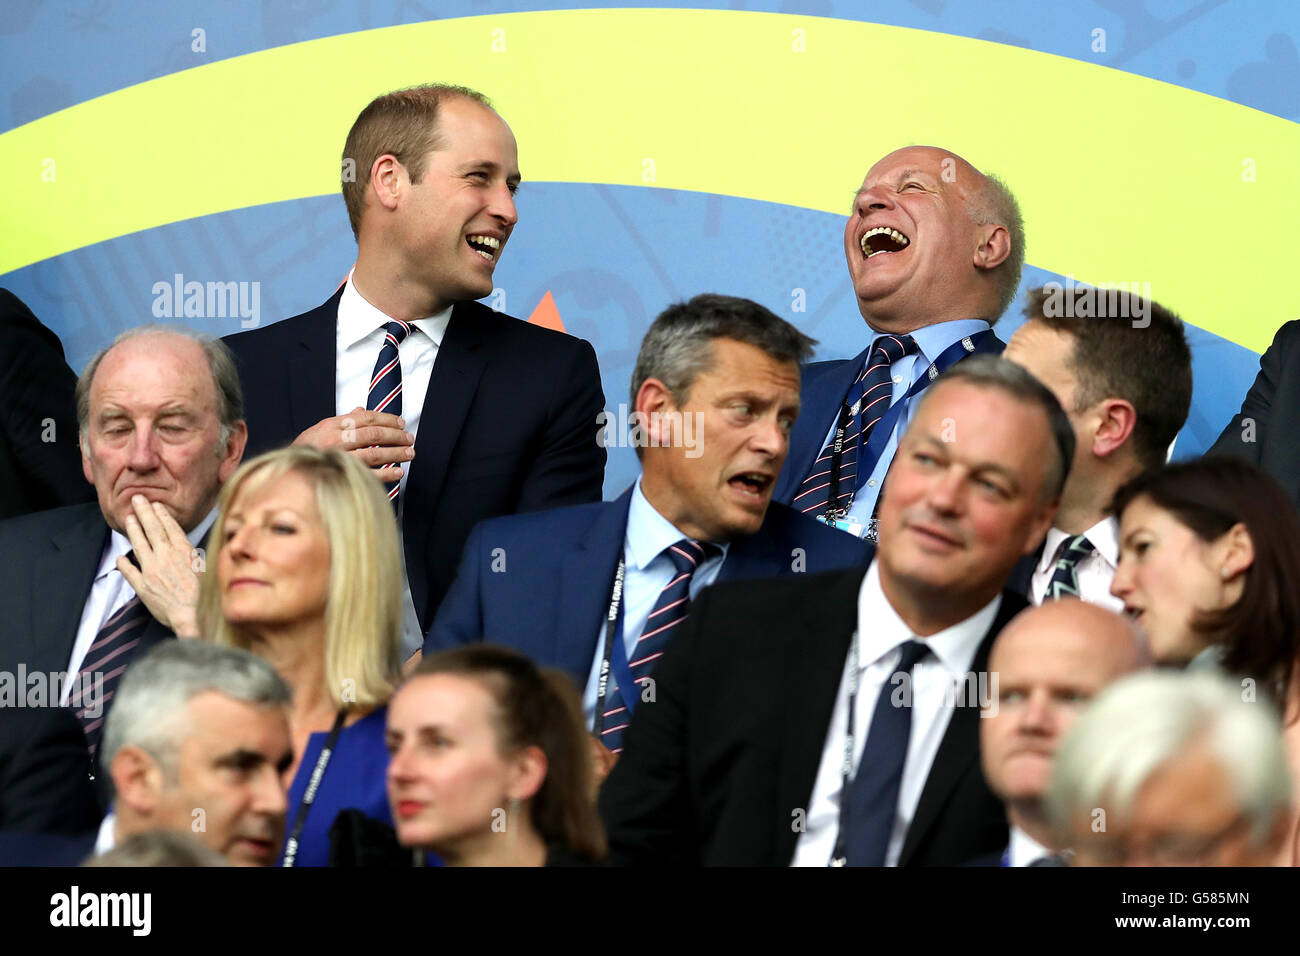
1122, 178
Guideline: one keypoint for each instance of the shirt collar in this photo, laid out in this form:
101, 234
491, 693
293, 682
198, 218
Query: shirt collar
1104, 536
358, 319
931, 340
1025, 849
106, 838
648, 532
119, 545
881, 630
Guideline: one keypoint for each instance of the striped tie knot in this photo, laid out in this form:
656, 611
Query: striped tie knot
1065, 574
866, 403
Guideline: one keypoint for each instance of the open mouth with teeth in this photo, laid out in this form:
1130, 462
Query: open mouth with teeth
752, 483
485, 246
882, 239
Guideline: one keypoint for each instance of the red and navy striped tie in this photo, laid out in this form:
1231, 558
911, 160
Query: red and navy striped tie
873, 389
385, 393
664, 621
101, 670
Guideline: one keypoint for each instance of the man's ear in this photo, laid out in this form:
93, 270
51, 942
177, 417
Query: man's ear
387, 176
137, 781
529, 773
1044, 515
234, 451
1118, 419
994, 246
654, 401
84, 445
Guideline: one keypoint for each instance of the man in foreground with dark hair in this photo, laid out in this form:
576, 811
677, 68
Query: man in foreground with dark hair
463, 412
715, 390
833, 720
1120, 367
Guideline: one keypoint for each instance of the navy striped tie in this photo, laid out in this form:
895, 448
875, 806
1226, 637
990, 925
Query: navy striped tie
108, 657
1065, 576
873, 793
385, 394
871, 391
665, 617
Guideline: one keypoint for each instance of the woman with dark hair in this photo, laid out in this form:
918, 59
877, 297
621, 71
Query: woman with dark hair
489, 763
1209, 568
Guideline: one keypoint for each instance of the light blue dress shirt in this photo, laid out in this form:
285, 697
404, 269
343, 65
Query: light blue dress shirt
930, 342
648, 572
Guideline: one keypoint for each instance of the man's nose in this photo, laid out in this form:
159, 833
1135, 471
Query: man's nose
769, 438
946, 491
269, 796
143, 453
503, 206
1038, 711
875, 198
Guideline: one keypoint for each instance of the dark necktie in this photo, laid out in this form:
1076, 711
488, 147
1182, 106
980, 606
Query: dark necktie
873, 794
101, 670
385, 393
1065, 576
871, 393
664, 621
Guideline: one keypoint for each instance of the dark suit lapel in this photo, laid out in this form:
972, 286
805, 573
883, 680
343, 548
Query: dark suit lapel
311, 370
1021, 579
758, 555
960, 747
586, 579
815, 654
452, 384
64, 574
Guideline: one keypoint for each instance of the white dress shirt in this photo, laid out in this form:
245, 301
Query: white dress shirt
360, 337
647, 573
109, 593
937, 680
1024, 849
930, 342
106, 838
1095, 572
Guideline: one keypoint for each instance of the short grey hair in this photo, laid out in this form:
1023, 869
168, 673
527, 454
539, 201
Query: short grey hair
221, 363
995, 204
995, 372
1143, 721
155, 689
679, 343
159, 848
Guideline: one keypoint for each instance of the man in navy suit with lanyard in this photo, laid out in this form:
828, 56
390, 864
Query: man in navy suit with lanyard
716, 391
934, 249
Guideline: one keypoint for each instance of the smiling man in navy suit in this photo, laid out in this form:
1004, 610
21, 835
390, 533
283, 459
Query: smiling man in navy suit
716, 392
934, 249
463, 412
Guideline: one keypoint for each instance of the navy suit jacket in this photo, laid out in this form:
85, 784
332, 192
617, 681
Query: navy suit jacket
36, 387
823, 388
1273, 406
552, 597
509, 424
48, 561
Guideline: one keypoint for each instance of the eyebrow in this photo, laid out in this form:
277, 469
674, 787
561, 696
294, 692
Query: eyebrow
980, 466
242, 759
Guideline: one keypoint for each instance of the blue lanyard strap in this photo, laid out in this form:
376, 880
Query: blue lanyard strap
869, 456
615, 656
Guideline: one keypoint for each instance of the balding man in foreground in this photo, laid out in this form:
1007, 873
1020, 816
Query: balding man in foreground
934, 249
1048, 662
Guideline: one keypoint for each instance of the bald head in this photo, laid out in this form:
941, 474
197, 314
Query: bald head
1048, 663
931, 238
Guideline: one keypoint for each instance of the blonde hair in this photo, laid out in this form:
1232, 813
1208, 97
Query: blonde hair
363, 615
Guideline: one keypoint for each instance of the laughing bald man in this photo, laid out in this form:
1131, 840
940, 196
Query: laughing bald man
934, 249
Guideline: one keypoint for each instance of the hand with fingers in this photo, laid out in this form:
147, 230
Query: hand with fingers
602, 762
167, 581
376, 438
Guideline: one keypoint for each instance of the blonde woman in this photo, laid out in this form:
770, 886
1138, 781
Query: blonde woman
308, 576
